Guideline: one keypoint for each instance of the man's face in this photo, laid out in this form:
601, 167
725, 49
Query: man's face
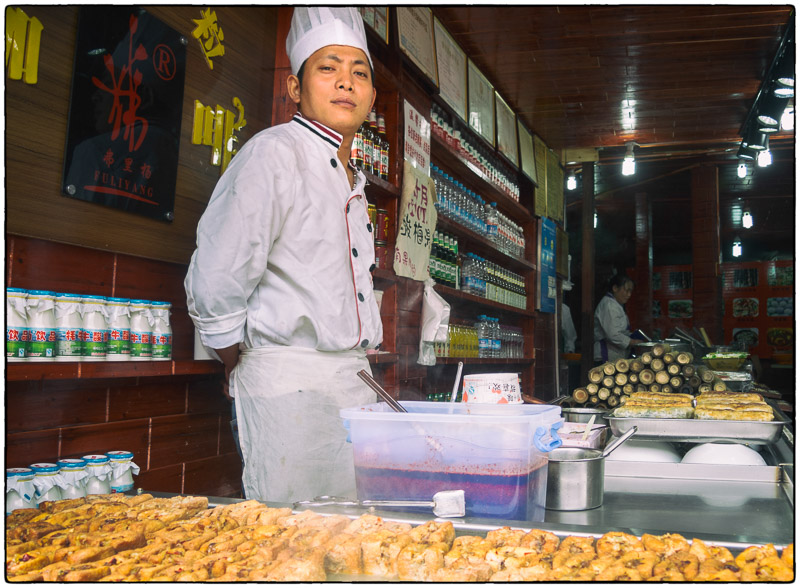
337, 88
623, 293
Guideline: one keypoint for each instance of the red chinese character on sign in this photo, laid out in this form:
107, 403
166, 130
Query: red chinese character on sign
114, 335
40, 336
70, 336
51, 336
126, 335
146, 170
145, 338
133, 79
108, 158
13, 335
127, 164
135, 338
97, 337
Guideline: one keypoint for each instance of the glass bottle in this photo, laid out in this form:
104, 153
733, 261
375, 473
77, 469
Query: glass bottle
384, 167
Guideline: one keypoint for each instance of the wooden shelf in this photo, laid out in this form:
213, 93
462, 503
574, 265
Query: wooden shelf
484, 361
384, 275
452, 293
483, 246
70, 370
383, 358
379, 187
471, 176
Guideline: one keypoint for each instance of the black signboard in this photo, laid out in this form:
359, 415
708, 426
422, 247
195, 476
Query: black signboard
125, 111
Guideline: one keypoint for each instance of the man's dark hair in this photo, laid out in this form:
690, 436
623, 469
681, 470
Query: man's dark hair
618, 280
302, 71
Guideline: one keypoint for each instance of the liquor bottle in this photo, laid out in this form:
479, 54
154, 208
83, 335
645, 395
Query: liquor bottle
384, 147
357, 148
368, 146
376, 144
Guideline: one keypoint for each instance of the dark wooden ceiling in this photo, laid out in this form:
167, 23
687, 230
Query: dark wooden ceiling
679, 80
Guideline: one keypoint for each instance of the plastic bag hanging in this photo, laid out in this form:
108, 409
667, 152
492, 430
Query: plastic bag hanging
434, 326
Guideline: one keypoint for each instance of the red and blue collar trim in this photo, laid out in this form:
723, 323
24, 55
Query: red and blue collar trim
326, 134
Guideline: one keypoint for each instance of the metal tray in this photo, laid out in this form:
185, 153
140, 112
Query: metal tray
701, 430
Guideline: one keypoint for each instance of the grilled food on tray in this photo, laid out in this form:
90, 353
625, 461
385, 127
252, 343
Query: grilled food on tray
733, 406
657, 405
91, 540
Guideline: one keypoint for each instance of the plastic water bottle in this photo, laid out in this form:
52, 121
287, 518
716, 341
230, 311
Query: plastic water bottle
484, 337
496, 338
491, 222
482, 277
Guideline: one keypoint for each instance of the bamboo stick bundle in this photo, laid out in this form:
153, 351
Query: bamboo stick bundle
666, 389
613, 401
628, 389
622, 366
608, 381
580, 395
655, 388
623, 400
647, 357
592, 388
706, 375
719, 386
596, 375
659, 349
669, 358
621, 379
633, 378
636, 365
676, 382
605, 391
704, 387
657, 364
685, 389
641, 388
662, 377
684, 358
695, 381
647, 377
593, 399
617, 390
688, 370
602, 405
674, 369
609, 369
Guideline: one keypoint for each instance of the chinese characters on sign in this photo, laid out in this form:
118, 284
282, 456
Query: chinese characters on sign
417, 223
125, 111
215, 127
23, 36
547, 267
210, 35
417, 139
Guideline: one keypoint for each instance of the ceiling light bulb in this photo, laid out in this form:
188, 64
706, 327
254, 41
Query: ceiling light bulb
595, 220
742, 170
787, 119
628, 166
737, 248
747, 219
572, 183
764, 158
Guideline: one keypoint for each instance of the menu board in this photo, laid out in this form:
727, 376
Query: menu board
481, 103
452, 69
415, 33
377, 18
540, 199
555, 187
506, 130
758, 311
526, 154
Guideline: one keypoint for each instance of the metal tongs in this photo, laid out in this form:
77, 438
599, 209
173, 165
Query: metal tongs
378, 389
447, 503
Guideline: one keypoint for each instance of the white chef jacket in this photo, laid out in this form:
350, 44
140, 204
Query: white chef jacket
612, 330
285, 248
568, 329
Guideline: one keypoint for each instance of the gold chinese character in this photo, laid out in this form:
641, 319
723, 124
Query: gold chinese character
215, 127
210, 35
23, 34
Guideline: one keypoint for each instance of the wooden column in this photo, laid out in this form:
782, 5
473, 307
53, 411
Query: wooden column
643, 294
706, 254
587, 270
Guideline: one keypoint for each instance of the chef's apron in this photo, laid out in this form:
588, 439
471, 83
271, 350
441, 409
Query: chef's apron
293, 440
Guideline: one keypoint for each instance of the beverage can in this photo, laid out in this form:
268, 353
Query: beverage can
381, 252
382, 229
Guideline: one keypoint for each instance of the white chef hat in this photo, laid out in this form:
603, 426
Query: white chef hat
315, 27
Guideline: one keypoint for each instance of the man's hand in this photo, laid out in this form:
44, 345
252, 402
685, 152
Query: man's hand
230, 357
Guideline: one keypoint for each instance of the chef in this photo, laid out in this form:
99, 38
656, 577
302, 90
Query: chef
280, 284
612, 329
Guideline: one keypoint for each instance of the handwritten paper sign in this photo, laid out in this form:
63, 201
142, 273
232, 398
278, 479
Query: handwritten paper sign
417, 139
417, 223
415, 33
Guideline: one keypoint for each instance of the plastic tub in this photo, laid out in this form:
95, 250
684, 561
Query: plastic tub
497, 454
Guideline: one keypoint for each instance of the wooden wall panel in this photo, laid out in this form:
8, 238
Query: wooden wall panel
130, 435
166, 479
36, 125
183, 438
157, 397
62, 403
214, 476
23, 449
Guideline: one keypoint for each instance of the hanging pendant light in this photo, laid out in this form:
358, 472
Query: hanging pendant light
572, 182
741, 171
628, 162
747, 219
737, 247
764, 158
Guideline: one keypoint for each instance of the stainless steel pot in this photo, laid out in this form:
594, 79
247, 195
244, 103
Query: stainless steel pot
575, 478
584, 415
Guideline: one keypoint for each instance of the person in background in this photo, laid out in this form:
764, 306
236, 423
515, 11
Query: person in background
280, 285
568, 333
612, 329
